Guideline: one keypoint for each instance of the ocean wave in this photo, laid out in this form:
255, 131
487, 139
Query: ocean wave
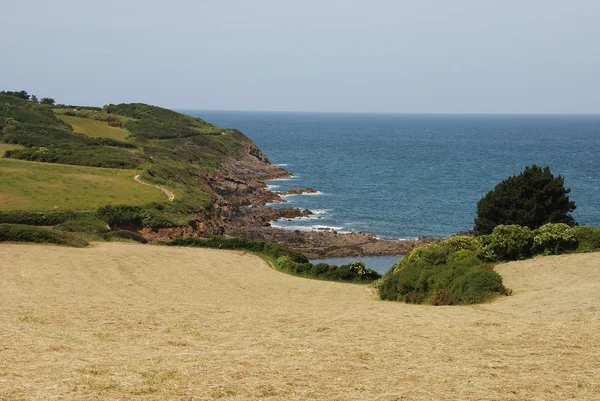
282, 164
272, 187
316, 227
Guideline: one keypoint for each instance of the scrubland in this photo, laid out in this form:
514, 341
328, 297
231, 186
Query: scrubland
118, 321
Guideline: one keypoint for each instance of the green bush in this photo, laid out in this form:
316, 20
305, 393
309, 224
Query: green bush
124, 234
354, 271
554, 239
24, 233
84, 224
50, 218
588, 238
510, 242
444, 273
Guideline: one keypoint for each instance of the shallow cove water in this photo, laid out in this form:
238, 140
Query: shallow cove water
405, 176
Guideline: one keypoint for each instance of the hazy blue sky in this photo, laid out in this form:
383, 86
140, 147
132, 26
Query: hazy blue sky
310, 55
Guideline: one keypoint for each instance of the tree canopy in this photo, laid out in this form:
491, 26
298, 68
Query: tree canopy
532, 198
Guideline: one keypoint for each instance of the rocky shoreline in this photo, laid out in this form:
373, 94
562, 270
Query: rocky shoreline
239, 198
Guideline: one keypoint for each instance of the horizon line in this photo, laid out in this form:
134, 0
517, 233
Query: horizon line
394, 112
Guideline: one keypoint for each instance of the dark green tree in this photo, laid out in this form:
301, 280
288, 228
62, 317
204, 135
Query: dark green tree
47, 100
21, 94
533, 198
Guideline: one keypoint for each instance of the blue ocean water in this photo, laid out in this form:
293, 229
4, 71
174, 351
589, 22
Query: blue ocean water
405, 176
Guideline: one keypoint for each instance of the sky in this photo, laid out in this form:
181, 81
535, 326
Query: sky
426, 56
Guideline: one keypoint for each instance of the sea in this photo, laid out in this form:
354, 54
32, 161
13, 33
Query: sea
401, 176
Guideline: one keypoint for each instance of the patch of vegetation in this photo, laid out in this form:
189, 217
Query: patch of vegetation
24, 233
531, 199
84, 223
124, 235
50, 218
442, 273
286, 259
151, 122
51, 140
458, 270
588, 238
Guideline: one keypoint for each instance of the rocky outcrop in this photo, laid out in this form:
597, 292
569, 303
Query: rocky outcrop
239, 196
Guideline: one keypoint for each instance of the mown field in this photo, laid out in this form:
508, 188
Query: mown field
132, 322
95, 128
44, 186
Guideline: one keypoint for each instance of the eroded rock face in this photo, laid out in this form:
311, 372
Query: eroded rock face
239, 196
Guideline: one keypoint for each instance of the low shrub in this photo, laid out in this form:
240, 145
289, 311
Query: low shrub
353, 271
588, 238
124, 234
24, 233
444, 273
50, 218
554, 239
510, 242
84, 224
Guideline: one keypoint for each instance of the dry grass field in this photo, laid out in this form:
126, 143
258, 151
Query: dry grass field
131, 322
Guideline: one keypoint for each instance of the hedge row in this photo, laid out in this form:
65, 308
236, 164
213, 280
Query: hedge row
286, 259
23, 233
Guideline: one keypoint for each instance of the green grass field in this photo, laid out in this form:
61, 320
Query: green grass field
7, 146
43, 186
94, 128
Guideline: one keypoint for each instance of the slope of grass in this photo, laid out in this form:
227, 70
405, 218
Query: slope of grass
123, 321
95, 128
42, 186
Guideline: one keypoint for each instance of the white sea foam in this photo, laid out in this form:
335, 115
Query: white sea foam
313, 193
272, 187
316, 227
292, 177
282, 164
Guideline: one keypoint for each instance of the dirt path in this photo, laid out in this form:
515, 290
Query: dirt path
169, 194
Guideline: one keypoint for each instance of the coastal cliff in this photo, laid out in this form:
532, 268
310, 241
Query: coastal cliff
239, 195
213, 178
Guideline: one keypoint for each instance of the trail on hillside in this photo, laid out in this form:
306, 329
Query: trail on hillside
169, 194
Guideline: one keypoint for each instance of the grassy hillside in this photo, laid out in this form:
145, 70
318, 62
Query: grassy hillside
42, 186
170, 149
121, 321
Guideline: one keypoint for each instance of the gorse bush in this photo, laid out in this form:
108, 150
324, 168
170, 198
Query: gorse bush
354, 271
510, 242
124, 234
588, 238
442, 273
90, 224
554, 239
